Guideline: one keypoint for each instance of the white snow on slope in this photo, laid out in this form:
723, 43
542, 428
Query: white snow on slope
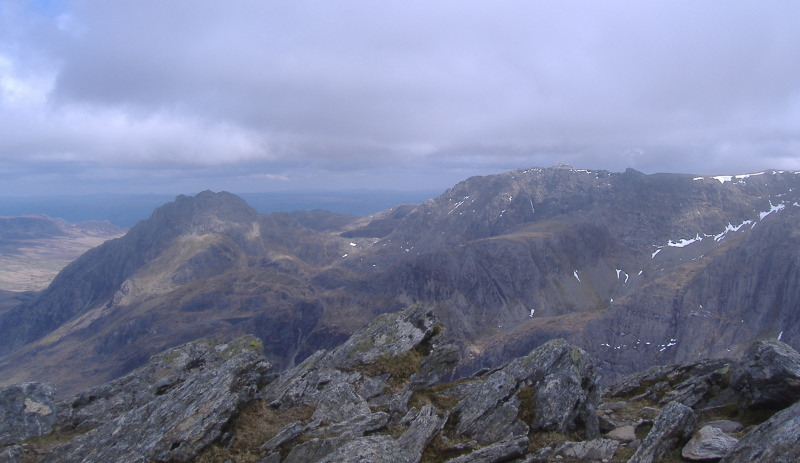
576, 275
731, 228
684, 242
655, 252
731, 178
771, 210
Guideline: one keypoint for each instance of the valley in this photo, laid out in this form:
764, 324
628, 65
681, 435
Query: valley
33, 249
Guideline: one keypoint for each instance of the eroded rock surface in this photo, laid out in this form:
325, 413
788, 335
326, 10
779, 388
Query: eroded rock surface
773, 441
26, 410
767, 375
709, 443
217, 379
673, 426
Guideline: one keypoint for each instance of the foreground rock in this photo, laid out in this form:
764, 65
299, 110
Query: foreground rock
188, 411
775, 440
375, 398
709, 443
673, 426
555, 385
26, 410
379, 397
767, 375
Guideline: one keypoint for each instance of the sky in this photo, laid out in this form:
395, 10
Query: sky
258, 95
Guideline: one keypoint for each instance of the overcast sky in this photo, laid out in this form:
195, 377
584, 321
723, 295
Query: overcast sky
180, 96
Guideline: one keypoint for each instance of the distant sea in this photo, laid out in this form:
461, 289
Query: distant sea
125, 210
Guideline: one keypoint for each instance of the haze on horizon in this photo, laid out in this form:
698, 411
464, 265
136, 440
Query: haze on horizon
246, 96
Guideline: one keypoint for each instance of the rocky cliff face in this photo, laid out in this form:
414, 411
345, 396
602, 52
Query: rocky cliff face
374, 398
635, 269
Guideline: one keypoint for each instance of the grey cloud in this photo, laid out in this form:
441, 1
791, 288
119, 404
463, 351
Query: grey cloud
343, 86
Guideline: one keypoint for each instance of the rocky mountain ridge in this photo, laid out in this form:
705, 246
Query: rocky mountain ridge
379, 397
637, 270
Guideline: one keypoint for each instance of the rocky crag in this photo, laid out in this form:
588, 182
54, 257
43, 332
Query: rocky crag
637, 270
379, 397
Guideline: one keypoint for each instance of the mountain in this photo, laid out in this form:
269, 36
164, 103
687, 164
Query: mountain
637, 270
34, 248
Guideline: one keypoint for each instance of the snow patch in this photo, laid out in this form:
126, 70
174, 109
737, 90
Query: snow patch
731, 228
654, 253
684, 242
772, 209
576, 276
353, 244
730, 178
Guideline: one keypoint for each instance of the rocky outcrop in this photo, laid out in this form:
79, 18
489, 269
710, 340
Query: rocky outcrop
767, 375
773, 441
555, 385
709, 443
673, 426
181, 410
26, 410
363, 401
596, 449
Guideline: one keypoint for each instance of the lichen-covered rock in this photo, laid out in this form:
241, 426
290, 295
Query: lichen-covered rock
672, 427
695, 384
11, 454
339, 403
488, 411
287, 433
556, 380
625, 433
175, 425
595, 449
709, 443
314, 450
773, 441
423, 428
26, 410
437, 367
726, 426
767, 375
566, 392
389, 335
501, 451
353, 426
162, 373
374, 449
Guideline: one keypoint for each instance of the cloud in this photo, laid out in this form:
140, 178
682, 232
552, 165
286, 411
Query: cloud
306, 88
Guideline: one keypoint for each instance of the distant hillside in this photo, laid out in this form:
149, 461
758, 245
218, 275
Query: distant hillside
636, 269
33, 249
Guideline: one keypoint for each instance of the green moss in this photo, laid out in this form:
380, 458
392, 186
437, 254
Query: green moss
527, 404
576, 355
